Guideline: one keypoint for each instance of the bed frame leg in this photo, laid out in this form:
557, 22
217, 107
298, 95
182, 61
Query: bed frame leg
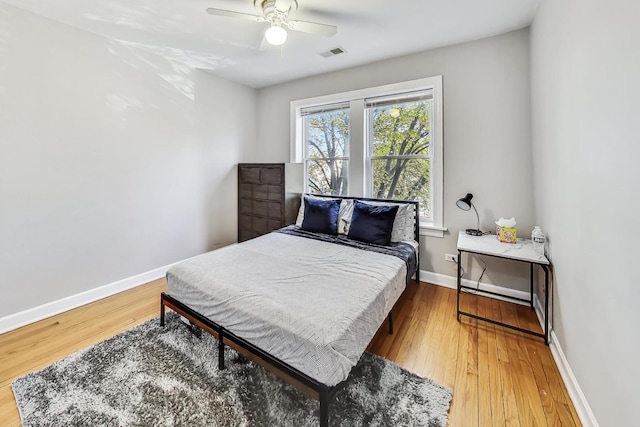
161, 310
324, 408
220, 350
390, 323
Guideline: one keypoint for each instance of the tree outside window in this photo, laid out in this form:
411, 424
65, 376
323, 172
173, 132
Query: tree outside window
327, 159
399, 144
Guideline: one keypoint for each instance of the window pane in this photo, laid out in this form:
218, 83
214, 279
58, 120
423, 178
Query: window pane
406, 179
327, 134
327, 176
400, 129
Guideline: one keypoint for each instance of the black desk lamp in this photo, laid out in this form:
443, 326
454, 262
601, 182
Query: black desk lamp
465, 204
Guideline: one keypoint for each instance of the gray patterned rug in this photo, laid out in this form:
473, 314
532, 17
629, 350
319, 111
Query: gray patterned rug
154, 376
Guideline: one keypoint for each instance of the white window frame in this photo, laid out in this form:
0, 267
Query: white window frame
358, 149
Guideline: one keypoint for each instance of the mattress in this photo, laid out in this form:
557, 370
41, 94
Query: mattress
312, 304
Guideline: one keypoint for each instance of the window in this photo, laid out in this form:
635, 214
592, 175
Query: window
398, 139
326, 144
383, 142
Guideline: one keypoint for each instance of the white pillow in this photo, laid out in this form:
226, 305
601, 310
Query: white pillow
403, 225
346, 212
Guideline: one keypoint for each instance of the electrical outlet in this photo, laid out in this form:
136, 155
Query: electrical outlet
450, 257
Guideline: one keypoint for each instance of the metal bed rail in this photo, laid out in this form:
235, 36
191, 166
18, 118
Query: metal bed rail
324, 393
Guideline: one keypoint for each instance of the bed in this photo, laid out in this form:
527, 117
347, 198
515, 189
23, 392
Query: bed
300, 300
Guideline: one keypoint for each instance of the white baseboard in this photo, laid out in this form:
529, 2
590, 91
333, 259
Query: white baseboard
571, 383
451, 282
17, 320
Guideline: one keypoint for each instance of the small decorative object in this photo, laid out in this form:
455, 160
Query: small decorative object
465, 204
506, 230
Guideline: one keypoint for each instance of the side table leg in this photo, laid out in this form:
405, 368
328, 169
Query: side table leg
459, 281
546, 305
531, 280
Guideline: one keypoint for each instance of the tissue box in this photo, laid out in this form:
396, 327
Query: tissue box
506, 234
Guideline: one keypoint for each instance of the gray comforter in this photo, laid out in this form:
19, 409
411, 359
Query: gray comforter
312, 304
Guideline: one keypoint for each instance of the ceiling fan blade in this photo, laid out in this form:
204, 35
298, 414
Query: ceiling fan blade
313, 28
232, 14
284, 5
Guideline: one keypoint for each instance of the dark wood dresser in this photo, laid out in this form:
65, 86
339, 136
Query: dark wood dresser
264, 203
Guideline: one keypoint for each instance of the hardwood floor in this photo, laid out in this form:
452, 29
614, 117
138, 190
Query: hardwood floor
499, 377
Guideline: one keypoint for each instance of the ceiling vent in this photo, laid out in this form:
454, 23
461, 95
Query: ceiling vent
333, 52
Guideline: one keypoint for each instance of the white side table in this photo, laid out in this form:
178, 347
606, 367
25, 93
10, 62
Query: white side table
521, 251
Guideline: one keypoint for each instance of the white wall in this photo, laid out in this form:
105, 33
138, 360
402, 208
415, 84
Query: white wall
487, 142
585, 89
112, 162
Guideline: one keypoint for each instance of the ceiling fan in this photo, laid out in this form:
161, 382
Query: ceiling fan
276, 13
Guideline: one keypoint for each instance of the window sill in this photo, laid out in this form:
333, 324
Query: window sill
430, 230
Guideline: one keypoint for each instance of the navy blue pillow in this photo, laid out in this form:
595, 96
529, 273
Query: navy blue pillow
372, 224
321, 216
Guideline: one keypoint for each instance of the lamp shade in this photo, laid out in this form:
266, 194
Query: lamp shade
465, 202
276, 35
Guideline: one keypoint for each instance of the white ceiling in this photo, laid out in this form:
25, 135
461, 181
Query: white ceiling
369, 30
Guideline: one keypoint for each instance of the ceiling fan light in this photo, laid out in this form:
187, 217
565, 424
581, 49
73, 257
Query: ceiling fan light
276, 35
